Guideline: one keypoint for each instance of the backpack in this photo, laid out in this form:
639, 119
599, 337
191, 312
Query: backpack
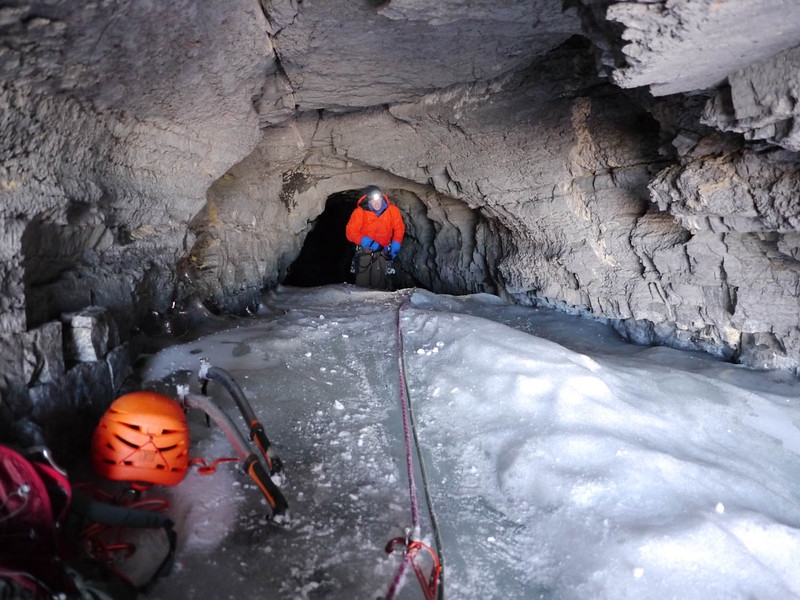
38, 555
34, 497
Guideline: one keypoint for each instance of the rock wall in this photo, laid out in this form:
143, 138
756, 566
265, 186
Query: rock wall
548, 186
676, 46
761, 102
115, 119
258, 214
636, 161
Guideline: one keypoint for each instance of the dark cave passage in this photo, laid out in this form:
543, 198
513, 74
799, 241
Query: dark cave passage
447, 249
326, 253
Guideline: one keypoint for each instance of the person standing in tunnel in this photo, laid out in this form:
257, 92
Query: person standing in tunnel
376, 228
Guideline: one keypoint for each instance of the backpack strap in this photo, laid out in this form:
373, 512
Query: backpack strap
55, 480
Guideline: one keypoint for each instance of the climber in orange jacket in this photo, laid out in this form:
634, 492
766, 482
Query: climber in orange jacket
376, 227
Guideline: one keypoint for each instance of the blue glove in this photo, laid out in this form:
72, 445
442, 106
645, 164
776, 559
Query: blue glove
394, 248
369, 243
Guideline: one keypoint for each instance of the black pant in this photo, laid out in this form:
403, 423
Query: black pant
371, 270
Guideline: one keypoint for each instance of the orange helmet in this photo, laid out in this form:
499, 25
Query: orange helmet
143, 436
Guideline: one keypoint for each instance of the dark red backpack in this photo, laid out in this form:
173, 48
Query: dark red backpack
40, 557
34, 498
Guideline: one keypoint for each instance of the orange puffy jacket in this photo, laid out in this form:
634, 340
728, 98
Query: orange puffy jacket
384, 229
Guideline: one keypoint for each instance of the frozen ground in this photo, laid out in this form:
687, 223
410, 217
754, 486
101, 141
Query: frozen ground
562, 463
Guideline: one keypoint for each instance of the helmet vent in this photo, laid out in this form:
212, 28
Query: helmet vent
126, 442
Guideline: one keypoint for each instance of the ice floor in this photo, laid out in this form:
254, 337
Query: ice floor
562, 462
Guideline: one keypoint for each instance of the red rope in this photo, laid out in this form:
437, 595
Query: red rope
206, 469
105, 543
413, 547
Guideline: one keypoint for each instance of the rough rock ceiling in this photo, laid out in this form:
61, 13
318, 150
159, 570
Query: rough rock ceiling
346, 55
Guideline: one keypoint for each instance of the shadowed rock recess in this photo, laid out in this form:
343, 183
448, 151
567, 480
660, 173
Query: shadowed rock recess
634, 161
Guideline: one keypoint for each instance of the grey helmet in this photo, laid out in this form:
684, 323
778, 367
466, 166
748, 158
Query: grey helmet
372, 191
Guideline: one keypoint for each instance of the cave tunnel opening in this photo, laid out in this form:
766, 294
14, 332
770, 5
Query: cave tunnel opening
448, 248
326, 253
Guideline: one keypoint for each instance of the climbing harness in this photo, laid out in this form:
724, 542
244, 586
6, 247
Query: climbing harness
355, 268
203, 468
43, 516
435, 580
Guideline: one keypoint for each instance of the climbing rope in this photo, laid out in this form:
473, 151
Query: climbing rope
107, 543
411, 543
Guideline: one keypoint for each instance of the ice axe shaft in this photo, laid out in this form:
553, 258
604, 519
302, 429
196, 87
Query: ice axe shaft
257, 433
249, 461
